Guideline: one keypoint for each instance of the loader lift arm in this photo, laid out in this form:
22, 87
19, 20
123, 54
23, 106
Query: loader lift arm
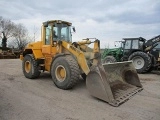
152, 43
81, 56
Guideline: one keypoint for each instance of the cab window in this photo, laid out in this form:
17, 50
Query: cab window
62, 32
127, 44
48, 34
135, 44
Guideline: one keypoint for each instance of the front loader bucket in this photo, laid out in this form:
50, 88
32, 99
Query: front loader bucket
114, 83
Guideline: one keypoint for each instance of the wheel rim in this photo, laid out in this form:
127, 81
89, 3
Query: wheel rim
138, 62
60, 73
108, 61
27, 66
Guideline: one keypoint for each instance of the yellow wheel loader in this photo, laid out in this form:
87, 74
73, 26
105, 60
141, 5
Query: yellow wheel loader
67, 60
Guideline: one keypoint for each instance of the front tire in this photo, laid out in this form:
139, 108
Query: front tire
109, 59
141, 61
30, 67
65, 72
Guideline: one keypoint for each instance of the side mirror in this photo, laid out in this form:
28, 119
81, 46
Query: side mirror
45, 24
73, 28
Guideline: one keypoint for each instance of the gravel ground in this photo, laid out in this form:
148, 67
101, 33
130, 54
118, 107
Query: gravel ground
40, 99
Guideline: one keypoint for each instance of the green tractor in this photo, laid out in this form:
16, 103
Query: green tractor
112, 55
136, 49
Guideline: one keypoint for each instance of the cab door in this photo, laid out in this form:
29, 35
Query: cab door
126, 49
55, 39
47, 46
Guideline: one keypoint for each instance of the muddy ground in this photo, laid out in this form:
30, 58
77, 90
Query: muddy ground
40, 99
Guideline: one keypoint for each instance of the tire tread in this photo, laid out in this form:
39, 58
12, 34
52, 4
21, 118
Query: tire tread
35, 73
146, 58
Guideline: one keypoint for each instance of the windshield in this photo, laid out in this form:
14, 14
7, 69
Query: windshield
127, 44
62, 32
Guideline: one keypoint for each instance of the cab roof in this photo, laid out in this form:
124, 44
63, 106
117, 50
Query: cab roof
139, 38
57, 21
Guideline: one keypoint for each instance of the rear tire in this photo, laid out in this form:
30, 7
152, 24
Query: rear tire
65, 72
141, 61
30, 67
153, 60
109, 59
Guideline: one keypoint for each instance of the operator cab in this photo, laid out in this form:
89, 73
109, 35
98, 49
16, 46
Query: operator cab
134, 43
56, 30
131, 45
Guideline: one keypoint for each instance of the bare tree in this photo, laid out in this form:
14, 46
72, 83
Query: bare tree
20, 35
6, 27
17, 32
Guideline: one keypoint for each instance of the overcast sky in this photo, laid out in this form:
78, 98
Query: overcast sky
107, 20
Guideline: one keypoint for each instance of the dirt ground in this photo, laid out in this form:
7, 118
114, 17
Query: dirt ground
40, 99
